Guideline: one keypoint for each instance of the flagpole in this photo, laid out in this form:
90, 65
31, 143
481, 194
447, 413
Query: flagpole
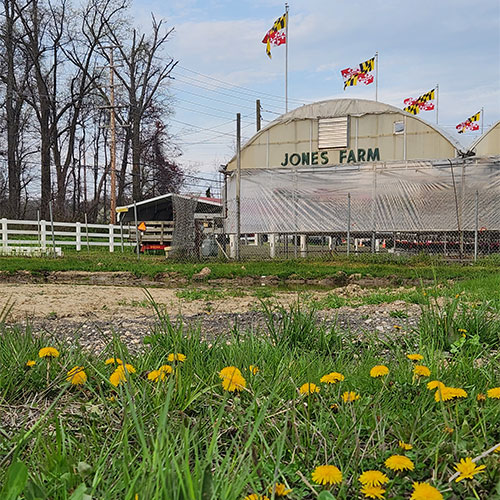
437, 103
482, 120
376, 76
286, 58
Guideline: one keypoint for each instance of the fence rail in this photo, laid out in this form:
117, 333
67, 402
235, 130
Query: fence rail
31, 237
44, 236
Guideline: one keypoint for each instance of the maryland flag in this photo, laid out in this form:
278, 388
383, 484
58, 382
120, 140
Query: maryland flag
353, 76
276, 35
469, 124
423, 103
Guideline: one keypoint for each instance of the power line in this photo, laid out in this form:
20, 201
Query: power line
213, 90
239, 106
241, 87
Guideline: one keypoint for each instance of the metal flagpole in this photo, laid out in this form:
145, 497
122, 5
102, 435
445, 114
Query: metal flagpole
437, 103
286, 57
482, 120
376, 76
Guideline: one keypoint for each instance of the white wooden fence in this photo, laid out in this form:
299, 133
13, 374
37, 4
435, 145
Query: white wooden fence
44, 235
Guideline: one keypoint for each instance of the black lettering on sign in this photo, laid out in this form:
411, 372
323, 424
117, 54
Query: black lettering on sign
295, 159
352, 157
285, 163
361, 155
305, 158
342, 155
314, 158
373, 155
324, 157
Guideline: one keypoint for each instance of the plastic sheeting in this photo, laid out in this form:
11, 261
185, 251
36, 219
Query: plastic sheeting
406, 196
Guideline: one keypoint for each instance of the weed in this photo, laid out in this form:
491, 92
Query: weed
398, 314
185, 438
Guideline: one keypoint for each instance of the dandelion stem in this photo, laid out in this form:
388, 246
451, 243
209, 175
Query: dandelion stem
307, 483
479, 457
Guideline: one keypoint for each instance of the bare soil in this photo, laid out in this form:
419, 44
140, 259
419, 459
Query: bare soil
93, 313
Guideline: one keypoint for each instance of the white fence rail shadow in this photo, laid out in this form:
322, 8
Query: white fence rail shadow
45, 236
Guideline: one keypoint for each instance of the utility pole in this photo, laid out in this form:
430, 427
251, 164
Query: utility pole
257, 113
238, 184
112, 125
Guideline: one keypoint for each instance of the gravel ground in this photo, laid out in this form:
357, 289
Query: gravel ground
94, 333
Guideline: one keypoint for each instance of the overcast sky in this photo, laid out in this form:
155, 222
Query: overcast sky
223, 67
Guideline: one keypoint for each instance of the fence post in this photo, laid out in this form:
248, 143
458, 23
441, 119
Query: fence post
232, 246
137, 248
87, 231
111, 238
52, 230
303, 245
476, 225
272, 246
5, 234
78, 236
348, 223
43, 234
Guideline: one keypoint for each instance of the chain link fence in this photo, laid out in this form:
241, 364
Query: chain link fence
449, 208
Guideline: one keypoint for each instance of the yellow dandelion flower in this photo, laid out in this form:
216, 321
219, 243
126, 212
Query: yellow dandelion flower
129, 368
334, 407
308, 388
30, 363
467, 469
424, 491
373, 478
350, 396
397, 327
405, 446
327, 474
48, 352
255, 496
494, 393
280, 490
415, 357
399, 462
112, 361
462, 330
372, 491
234, 383
77, 376
176, 357
379, 371
497, 449
448, 393
435, 384
481, 397
118, 376
229, 371
160, 374
421, 371
332, 378
253, 369
448, 430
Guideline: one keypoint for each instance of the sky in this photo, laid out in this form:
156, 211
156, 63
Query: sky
223, 68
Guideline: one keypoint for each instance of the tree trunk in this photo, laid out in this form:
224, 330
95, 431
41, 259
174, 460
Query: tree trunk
14, 167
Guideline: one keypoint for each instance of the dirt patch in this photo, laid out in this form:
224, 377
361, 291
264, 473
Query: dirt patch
92, 314
173, 279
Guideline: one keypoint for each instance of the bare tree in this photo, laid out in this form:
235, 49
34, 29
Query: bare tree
14, 102
143, 79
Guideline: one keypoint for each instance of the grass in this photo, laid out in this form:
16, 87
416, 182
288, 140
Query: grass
185, 438
396, 268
